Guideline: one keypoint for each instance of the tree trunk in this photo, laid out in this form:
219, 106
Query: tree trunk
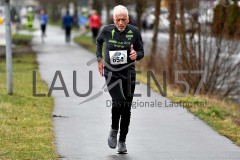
97, 6
182, 32
152, 60
108, 21
171, 54
140, 7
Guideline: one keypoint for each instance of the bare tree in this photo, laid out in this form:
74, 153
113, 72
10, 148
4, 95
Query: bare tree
122, 2
53, 7
215, 55
171, 48
140, 8
97, 5
152, 60
182, 34
109, 4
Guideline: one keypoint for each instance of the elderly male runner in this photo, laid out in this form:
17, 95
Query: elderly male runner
123, 46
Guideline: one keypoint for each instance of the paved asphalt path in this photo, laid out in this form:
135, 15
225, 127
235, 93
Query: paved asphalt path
81, 131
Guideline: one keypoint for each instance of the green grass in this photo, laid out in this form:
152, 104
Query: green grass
21, 39
57, 23
223, 116
26, 129
25, 27
86, 42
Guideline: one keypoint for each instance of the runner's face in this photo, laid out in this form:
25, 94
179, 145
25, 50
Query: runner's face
121, 20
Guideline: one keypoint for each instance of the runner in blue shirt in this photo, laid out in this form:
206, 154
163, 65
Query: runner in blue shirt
43, 18
67, 24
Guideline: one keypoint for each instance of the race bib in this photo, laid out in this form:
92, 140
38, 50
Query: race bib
118, 57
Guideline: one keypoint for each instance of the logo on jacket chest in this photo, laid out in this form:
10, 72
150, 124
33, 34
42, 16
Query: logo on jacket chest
129, 35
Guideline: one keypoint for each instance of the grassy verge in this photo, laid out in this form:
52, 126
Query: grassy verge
58, 23
21, 39
26, 121
25, 27
223, 116
86, 42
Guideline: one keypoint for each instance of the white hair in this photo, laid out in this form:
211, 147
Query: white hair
119, 8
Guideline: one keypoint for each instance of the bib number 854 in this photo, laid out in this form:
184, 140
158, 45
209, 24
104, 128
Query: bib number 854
117, 59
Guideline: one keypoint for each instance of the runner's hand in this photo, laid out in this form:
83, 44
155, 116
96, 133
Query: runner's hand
133, 54
100, 68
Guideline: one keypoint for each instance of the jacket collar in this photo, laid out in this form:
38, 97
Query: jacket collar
125, 31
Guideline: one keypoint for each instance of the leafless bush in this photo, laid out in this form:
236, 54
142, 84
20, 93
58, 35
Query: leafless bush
218, 57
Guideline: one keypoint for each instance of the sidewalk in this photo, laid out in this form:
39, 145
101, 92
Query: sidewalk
81, 131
